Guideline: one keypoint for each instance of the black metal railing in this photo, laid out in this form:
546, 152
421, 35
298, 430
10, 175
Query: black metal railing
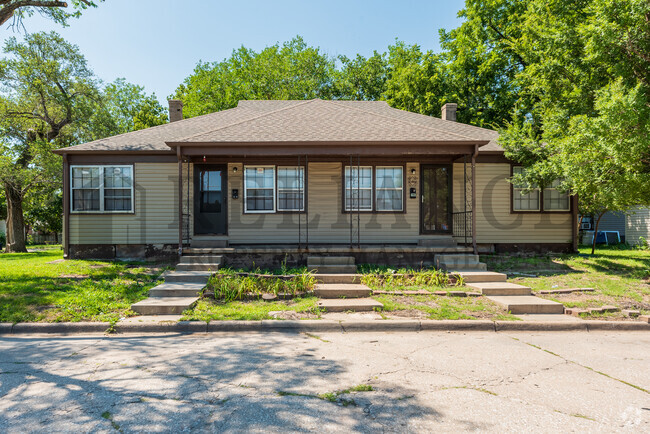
462, 225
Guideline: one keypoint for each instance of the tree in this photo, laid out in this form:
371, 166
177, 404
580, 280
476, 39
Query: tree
49, 90
292, 70
588, 68
55, 10
44, 211
362, 79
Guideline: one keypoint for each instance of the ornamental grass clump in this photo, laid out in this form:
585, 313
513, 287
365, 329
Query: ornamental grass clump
230, 285
384, 278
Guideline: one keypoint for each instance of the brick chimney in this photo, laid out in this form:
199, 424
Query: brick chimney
175, 110
449, 111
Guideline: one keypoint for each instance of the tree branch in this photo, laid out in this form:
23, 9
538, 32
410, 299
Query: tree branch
8, 10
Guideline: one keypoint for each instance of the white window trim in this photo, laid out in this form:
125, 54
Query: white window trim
372, 190
401, 203
264, 211
568, 208
518, 190
302, 189
101, 189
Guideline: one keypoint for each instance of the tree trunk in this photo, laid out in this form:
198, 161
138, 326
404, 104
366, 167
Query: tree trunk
593, 242
15, 221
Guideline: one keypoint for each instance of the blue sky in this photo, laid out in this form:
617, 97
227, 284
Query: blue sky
157, 43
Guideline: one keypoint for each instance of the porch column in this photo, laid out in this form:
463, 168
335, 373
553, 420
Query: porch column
66, 206
180, 200
474, 199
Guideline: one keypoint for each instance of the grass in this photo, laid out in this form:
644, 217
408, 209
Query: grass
334, 397
388, 279
213, 310
619, 275
40, 286
439, 308
236, 284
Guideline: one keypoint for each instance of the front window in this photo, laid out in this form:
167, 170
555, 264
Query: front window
358, 188
102, 188
291, 188
555, 200
389, 188
259, 189
522, 201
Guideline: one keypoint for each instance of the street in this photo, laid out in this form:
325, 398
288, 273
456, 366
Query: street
287, 382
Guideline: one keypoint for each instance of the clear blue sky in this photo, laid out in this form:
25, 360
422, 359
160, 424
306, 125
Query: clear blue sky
157, 43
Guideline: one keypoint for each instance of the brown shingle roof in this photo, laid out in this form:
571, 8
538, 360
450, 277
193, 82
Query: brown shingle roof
296, 121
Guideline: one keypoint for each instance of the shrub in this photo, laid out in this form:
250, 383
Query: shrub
230, 285
379, 277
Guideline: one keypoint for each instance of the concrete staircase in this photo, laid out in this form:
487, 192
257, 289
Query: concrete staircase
517, 299
338, 285
332, 264
180, 290
459, 262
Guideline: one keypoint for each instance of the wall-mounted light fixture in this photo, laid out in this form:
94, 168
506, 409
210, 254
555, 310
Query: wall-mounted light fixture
204, 158
413, 171
234, 169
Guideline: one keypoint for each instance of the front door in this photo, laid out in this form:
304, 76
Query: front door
210, 199
435, 203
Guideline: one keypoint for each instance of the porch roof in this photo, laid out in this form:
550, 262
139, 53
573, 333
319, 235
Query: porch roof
311, 127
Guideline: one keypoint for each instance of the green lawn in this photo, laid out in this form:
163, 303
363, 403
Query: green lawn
619, 275
41, 286
209, 309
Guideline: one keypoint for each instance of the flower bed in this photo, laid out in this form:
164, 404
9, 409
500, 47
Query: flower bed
229, 285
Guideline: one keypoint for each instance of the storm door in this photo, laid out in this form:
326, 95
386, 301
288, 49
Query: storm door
435, 202
210, 200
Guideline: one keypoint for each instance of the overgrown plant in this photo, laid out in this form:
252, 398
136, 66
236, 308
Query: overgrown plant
229, 284
382, 277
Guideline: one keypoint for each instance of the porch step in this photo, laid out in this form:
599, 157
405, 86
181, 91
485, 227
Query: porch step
207, 243
315, 261
197, 267
337, 278
472, 276
349, 304
499, 288
437, 242
176, 290
522, 304
334, 269
188, 277
459, 262
201, 259
164, 305
340, 290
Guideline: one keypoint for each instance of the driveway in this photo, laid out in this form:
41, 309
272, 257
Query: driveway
283, 382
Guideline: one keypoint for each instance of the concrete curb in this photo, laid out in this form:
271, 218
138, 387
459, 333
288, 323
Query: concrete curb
318, 326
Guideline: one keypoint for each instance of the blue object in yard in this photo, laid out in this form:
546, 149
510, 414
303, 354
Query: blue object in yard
601, 238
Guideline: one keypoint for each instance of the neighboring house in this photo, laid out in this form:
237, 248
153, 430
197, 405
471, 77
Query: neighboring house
274, 179
3, 227
638, 225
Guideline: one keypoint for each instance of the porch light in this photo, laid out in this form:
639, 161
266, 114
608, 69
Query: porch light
234, 169
204, 158
413, 171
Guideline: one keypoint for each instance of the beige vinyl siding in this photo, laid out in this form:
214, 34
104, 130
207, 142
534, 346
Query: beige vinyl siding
155, 220
638, 225
495, 223
327, 223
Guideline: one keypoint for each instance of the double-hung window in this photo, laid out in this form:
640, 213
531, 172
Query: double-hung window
522, 201
102, 188
291, 189
389, 188
259, 189
358, 188
555, 200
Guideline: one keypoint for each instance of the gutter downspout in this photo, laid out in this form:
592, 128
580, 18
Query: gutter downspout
66, 207
180, 200
474, 155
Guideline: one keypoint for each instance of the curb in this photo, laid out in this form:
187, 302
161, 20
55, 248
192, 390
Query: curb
319, 326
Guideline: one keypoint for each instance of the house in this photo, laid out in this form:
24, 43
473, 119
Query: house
267, 181
637, 226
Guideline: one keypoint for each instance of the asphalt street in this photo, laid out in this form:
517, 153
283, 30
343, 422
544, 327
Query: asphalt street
288, 382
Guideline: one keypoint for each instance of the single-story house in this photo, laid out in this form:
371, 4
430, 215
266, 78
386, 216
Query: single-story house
637, 226
286, 177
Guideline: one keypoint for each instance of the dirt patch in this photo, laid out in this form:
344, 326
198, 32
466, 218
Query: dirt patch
290, 314
74, 276
409, 313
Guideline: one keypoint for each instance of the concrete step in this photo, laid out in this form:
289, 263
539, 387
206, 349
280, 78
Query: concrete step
349, 304
201, 259
176, 290
334, 269
188, 277
338, 278
463, 258
314, 261
198, 243
473, 275
457, 266
339, 290
197, 267
437, 242
164, 305
499, 288
522, 304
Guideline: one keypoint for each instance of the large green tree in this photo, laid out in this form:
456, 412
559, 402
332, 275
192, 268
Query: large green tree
47, 90
58, 11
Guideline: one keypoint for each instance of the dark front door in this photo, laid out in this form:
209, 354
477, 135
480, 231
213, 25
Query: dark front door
435, 203
210, 199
